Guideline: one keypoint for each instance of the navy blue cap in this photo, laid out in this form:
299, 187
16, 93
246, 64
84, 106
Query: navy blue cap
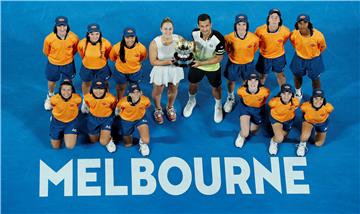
253, 75
133, 87
93, 28
318, 93
241, 18
274, 10
98, 84
286, 88
303, 17
129, 31
61, 20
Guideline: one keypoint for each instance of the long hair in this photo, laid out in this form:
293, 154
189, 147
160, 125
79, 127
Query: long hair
88, 40
122, 48
310, 27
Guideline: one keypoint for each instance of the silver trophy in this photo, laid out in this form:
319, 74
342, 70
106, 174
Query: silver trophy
183, 55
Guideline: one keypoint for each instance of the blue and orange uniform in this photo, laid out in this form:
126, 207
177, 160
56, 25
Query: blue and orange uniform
318, 117
64, 115
101, 112
132, 115
283, 113
253, 104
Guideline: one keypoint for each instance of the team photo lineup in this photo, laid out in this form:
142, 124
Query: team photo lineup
169, 53
180, 107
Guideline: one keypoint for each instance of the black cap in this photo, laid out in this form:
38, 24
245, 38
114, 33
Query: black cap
93, 28
133, 87
286, 88
61, 20
318, 93
253, 75
98, 84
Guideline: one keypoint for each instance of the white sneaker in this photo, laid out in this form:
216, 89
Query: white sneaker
47, 104
299, 96
273, 149
218, 114
111, 147
301, 149
189, 107
144, 149
239, 142
84, 108
229, 104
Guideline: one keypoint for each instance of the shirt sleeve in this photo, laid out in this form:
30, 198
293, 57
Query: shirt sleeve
321, 42
220, 48
113, 55
46, 47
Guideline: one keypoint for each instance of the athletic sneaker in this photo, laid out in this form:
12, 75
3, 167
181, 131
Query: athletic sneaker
111, 147
189, 107
47, 104
273, 149
84, 108
171, 113
301, 149
158, 116
239, 142
299, 96
144, 149
229, 104
218, 114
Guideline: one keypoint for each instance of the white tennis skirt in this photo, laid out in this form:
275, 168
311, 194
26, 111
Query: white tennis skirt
162, 75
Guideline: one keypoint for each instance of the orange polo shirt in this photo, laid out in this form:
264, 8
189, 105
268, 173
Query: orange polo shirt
314, 116
101, 107
254, 100
133, 57
283, 112
133, 113
308, 47
65, 111
241, 51
272, 44
60, 52
93, 57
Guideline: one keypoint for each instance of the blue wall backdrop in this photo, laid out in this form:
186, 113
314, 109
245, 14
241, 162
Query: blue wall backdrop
332, 172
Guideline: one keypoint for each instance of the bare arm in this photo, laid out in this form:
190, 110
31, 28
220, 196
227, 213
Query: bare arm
153, 52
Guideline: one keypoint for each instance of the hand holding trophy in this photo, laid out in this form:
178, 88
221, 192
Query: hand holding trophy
183, 55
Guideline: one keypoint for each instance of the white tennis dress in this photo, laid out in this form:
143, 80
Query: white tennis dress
162, 75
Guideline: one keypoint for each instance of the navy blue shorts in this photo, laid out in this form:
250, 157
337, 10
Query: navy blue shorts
128, 127
121, 78
195, 75
287, 125
264, 65
88, 75
321, 127
96, 124
254, 113
56, 72
236, 72
58, 128
312, 67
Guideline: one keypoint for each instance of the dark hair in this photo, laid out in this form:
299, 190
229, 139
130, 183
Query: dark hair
92, 93
310, 27
203, 17
67, 82
167, 19
267, 19
88, 40
247, 85
312, 102
122, 48
292, 96
247, 28
67, 30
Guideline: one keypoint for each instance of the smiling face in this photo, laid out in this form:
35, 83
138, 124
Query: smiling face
253, 85
129, 41
167, 29
318, 101
135, 95
98, 92
66, 91
274, 20
286, 96
94, 36
205, 28
241, 28
61, 30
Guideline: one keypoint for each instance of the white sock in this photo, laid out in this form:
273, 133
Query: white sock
50, 94
231, 94
141, 142
298, 90
303, 143
192, 97
217, 102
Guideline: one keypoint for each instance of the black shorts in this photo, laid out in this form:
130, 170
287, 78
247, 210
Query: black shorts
196, 75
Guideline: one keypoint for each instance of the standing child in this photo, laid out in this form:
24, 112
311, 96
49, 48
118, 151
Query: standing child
282, 115
60, 46
63, 123
316, 115
253, 97
132, 110
101, 105
94, 50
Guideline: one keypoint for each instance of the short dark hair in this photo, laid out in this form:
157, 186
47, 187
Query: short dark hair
204, 17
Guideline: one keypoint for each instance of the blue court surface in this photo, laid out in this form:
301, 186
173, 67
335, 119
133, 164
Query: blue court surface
194, 166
